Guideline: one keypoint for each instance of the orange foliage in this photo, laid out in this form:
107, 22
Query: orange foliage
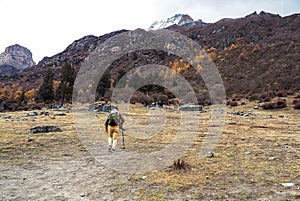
256, 48
18, 93
178, 66
30, 95
232, 47
213, 56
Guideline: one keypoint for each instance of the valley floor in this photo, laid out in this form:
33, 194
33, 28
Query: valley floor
256, 157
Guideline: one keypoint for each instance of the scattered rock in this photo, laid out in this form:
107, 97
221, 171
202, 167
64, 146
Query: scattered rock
45, 113
60, 114
31, 139
282, 116
23, 119
210, 154
82, 194
247, 152
243, 139
256, 107
44, 129
160, 159
144, 177
190, 108
288, 184
7, 117
32, 114
53, 107
240, 113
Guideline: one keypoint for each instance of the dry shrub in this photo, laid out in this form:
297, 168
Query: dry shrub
262, 97
180, 165
139, 97
281, 93
232, 103
265, 97
296, 103
280, 103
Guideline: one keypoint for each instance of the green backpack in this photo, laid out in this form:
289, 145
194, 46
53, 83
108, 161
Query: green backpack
113, 119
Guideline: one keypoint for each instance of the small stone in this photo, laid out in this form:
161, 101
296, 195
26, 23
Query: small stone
160, 159
243, 139
247, 152
144, 177
210, 154
7, 117
60, 114
32, 114
256, 107
30, 139
287, 184
82, 194
282, 116
45, 113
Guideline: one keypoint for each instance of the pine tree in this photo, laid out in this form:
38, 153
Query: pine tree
65, 89
46, 93
103, 85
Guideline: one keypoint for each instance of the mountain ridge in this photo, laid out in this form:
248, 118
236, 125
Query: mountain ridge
254, 54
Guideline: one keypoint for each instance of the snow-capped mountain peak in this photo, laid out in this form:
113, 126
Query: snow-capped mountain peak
178, 19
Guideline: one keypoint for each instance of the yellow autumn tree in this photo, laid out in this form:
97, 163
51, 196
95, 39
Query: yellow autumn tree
232, 46
178, 66
18, 93
30, 95
5, 93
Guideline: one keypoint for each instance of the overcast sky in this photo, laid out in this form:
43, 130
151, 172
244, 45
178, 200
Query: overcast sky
47, 27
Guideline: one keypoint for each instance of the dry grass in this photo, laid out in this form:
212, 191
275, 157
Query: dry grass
253, 156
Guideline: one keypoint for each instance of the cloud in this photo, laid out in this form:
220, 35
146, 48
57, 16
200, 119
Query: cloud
214, 10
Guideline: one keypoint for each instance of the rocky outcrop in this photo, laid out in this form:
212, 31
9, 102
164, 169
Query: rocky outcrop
17, 57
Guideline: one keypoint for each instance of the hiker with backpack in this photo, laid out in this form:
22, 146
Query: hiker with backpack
113, 124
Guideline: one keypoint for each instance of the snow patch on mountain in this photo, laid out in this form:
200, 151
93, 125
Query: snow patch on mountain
178, 19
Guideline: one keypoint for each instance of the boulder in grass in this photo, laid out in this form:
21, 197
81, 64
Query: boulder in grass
44, 129
190, 108
32, 114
